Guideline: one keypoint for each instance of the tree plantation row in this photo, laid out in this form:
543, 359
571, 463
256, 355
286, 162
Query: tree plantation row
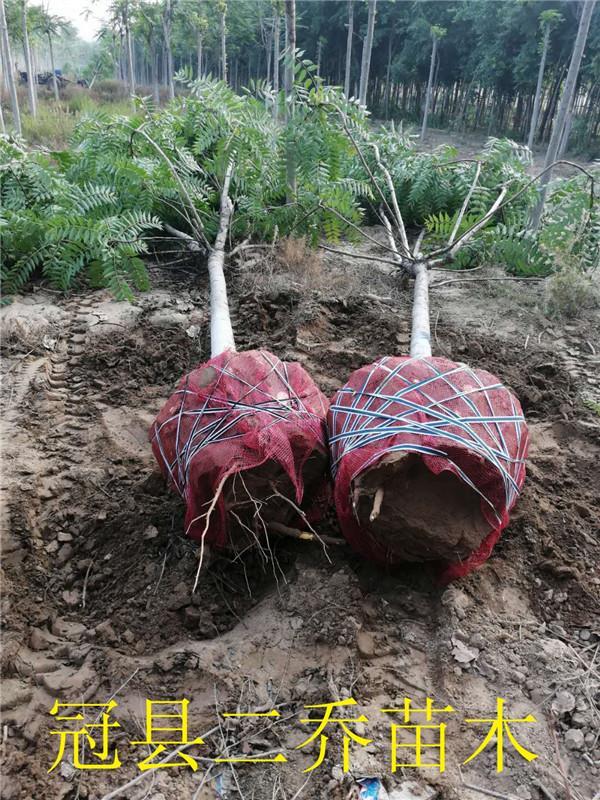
498, 67
127, 183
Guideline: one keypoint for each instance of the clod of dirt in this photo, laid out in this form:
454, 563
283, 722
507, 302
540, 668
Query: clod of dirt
563, 703
574, 739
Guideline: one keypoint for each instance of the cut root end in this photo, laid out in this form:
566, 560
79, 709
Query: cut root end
417, 515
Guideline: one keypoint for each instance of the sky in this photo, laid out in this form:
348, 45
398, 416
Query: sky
75, 12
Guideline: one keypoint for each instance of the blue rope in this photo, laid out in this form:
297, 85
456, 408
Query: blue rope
226, 416
364, 426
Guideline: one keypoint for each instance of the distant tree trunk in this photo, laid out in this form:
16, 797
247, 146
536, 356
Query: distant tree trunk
386, 101
129, 46
429, 85
269, 51
538, 91
349, 47
53, 68
290, 28
154, 55
8, 68
223, 32
2, 125
31, 85
366, 54
276, 56
551, 106
167, 22
319, 49
566, 101
199, 53
564, 139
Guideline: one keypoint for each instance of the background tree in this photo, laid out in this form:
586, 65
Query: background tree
437, 33
290, 62
565, 103
366, 54
167, 26
147, 30
276, 55
348, 67
31, 79
222, 6
52, 25
549, 19
129, 44
8, 69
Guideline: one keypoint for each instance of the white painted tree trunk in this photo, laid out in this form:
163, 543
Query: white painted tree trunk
566, 101
10, 77
366, 55
221, 332
538, 92
349, 48
429, 87
420, 337
31, 83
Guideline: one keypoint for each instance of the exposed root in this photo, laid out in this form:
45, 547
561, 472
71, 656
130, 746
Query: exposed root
211, 508
295, 533
378, 500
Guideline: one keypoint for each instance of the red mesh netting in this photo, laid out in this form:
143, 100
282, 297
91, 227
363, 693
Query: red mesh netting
235, 412
458, 419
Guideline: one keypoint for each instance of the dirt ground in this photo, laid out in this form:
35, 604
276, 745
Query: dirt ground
97, 577
470, 145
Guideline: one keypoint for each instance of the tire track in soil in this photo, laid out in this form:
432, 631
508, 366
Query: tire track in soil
48, 659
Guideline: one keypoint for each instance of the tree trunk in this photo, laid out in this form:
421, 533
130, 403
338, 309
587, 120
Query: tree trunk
429, 85
386, 101
31, 85
563, 109
128, 44
53, 68
154, 54
167, 21
564, 139
224, 42
551, 105
290, 29
221, 332
420, 337
269, 51
276, 56
538, 91
349, 47
199, 54
366, 55
10, 76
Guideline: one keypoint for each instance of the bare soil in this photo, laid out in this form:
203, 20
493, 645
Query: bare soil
97, 576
